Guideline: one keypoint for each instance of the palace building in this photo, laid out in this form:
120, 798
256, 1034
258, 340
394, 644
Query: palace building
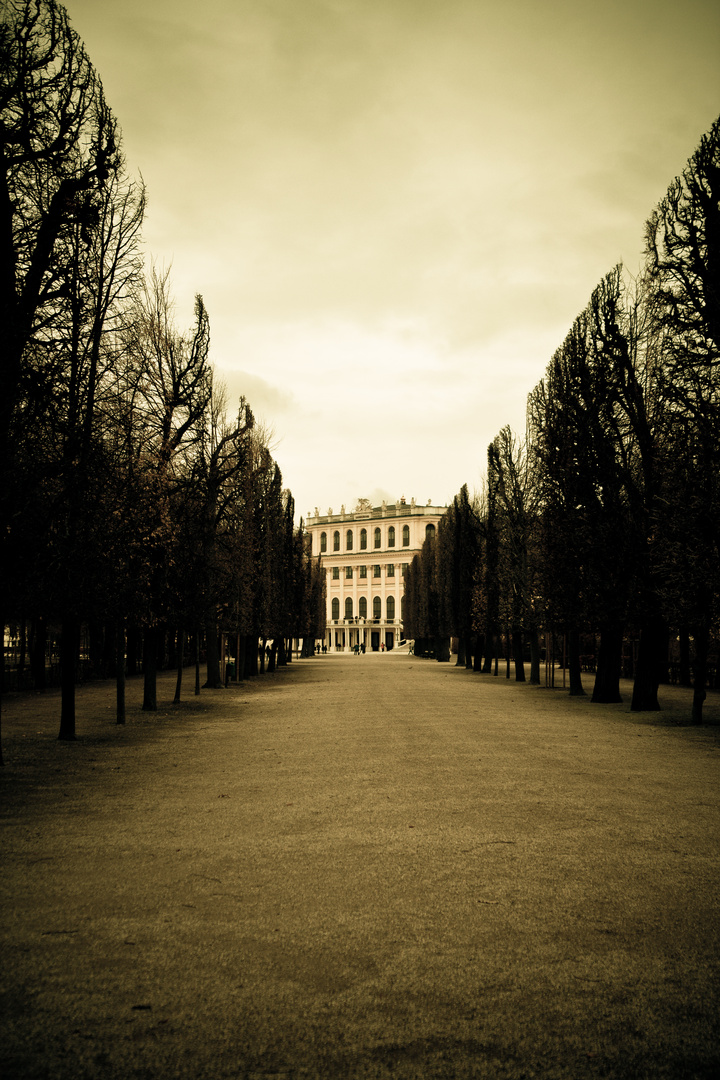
365, 554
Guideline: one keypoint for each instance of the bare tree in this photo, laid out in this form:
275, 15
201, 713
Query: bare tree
174, 384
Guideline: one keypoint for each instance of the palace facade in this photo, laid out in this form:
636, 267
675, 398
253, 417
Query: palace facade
365, 554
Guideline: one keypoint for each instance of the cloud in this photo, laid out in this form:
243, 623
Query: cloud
264, 399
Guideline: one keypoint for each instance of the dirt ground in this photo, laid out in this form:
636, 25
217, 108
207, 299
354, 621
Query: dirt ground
360, 867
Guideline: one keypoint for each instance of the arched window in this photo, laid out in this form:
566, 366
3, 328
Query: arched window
336, 541
390, 608
362, 607
391, 536
406, 536
377, 607
430, 531
323, 541
378, 538
348, 607
335, 608
348, 540
363, 539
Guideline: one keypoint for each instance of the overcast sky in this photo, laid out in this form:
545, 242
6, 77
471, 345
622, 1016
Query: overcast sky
394, 209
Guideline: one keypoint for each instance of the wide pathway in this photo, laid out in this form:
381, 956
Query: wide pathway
373, 866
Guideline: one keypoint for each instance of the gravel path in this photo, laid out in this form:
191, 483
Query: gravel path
360, 867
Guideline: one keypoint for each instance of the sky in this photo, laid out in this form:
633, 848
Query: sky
394, 209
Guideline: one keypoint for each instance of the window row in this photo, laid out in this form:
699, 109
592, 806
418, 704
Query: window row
377, 538
363, 571
363, 608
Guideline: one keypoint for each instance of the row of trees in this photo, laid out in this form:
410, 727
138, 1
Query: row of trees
130, 496
604, 519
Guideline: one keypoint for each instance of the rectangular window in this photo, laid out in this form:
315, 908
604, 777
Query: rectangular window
390, 571
376, 571
336, 573
348, 571
362, 571
404, 569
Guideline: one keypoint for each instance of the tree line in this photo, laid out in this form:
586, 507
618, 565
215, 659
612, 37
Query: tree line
602, 522
136, 506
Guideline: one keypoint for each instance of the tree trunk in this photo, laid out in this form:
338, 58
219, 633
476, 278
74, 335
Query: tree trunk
685, 669
489, 653
701, 638
133, 640
173, 639
653, 640
261, 657
38, 652
574, 665
180, 657
2, 674
442, 649
282, 656
96, 648
150, 670
197, 663
664, 655
69, 646
478, 655
120, 672
241, 657
160, 636
606, 690
517, 645
213, 681
23, 651
534, 657
109, 656
253, 655
461, 652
